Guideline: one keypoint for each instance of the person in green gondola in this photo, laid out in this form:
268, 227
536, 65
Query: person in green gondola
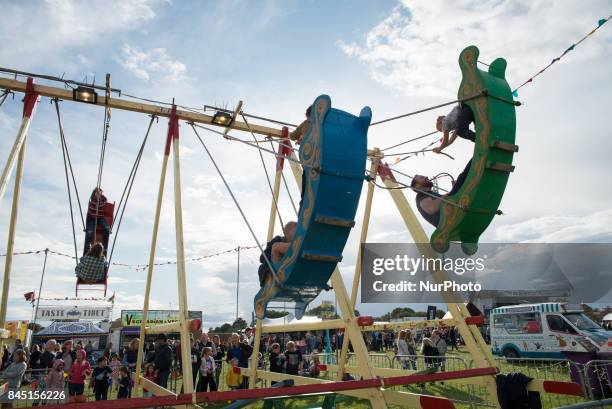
427, 201
456, 123
275, 250
92, 266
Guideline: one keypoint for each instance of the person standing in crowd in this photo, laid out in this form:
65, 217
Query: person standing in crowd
18, 345
196, 360
410, 342
33, 361
47, 357
108, 351
430, 353
452, 338
438, 342
295, 362
80, 369
277, 360
5, 356
13, 375
218, 357
149, 373
311, 342
248, 333
124, 383
233, 348
233, 377
162, 360
246, 350
54, 382
206, 342
207, 372
89, 348
403, 353
115, 365
130, 355
67, 355
101, 376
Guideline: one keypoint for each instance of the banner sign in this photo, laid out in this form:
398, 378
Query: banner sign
80, 312
133, 318
431, 312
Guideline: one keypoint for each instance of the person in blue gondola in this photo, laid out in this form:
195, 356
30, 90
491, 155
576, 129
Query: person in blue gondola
92, 266
297, 135
456, 123
275, 250
95, 217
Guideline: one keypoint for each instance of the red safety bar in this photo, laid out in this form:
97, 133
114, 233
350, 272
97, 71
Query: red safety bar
477, 320
429, 402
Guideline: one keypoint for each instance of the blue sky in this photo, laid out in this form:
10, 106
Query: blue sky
278, 56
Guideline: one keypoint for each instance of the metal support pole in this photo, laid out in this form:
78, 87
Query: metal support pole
352, 330
29, 104
180, 261
362, 239
42, 277
479, 350
284, 148
237, 280
153, 248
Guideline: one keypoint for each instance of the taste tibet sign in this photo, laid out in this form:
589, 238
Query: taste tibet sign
73, 313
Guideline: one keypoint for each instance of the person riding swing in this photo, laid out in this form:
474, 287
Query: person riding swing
92, 267
275, 250
95, 216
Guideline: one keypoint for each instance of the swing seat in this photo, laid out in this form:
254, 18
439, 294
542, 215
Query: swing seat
108, 210
494, 147
333, 154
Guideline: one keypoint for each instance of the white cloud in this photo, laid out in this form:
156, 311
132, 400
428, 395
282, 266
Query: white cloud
415, 48
49, 32
152, 64
595, 227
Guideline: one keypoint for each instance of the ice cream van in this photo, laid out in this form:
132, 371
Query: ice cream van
545, 330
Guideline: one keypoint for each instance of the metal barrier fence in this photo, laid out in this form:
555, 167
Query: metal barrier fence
597, 377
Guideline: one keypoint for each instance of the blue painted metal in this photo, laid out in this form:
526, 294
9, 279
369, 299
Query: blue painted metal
333, 154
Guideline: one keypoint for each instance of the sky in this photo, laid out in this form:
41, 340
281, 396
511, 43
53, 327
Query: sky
277, 57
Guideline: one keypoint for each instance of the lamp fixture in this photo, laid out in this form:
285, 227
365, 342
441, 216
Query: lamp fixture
85, 94
222, 118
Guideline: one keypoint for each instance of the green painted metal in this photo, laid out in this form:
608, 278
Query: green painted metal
473, 207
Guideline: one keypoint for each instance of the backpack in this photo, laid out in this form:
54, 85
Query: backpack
264, 269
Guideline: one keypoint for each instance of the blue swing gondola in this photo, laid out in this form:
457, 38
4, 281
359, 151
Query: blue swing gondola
333, 154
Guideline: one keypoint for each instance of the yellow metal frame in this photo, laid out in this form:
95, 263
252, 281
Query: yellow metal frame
379, 398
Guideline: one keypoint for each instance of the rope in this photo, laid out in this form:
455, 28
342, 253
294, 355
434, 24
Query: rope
420, 111
263, 163
128, 188
233, 138
4, 95
484, 93
137, 267
409, 140
273, 273
64, 149
441, 198
600, 23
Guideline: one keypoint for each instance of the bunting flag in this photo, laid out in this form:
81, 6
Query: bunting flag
600, 23
31, 297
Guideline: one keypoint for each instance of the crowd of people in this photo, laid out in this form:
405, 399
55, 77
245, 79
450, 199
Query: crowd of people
71, 367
